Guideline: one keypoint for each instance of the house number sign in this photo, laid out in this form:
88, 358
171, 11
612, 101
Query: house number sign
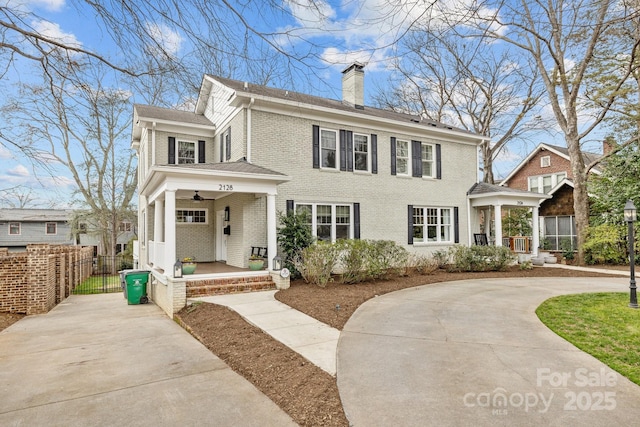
225, 187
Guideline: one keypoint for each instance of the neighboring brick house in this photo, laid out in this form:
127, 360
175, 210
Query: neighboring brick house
547, 170
211, 181
21, 227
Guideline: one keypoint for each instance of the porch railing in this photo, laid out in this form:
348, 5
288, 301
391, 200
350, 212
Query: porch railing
156, 254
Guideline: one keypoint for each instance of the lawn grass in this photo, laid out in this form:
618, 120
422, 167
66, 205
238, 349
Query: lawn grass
601, 324
99, 285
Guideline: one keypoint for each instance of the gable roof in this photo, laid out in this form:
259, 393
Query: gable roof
556, 149
170, 115
252, 90
240, 166
483, 188
35, 215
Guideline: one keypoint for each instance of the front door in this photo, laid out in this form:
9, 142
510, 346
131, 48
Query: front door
221, 238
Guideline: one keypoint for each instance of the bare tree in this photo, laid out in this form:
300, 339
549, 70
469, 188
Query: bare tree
562, 38
467, 84
83, 129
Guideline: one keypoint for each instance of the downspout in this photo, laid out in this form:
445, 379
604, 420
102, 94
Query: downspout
249, 129
153, 146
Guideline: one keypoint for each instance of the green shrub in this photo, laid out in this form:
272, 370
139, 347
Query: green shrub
353, 260
422, 264
603, 245
316, 263
441, 257
480, 258
363, 260
294, 234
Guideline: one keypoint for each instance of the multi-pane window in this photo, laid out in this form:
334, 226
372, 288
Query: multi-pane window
361, 152
432, 225
51, 228
328, 148
428, 168
402, 157
124, 226
198, 216
560, 232
14, 228
186, 152
329, 222
545, 183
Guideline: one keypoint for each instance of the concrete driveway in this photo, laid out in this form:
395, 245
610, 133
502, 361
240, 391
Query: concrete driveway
474, 353
94, 360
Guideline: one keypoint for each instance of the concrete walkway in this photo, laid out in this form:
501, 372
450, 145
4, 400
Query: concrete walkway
96, 361
312, 339
474, 353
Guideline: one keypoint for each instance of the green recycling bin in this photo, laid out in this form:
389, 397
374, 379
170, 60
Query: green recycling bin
136, 291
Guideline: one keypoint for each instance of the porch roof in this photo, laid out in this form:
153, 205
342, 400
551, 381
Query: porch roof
484, 194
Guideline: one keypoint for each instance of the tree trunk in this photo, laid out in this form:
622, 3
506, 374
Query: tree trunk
580, 195
487, 163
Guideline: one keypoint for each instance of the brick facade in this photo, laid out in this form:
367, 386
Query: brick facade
520, 180
34, 281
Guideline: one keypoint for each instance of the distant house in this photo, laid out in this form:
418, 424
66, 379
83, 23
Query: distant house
88, 233
547, 170
20, 227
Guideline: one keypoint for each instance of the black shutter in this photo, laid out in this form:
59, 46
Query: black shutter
349, 136
356, 220
221, 147
438, 163
343, 150
201, 153
456, 226
410, 222
289, 206
374, 153
393, 155
172, 150
228, 145
416, 158
316, 146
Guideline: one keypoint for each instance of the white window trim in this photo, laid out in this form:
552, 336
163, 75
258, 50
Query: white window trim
540, 179
368, 138
46, 228
206, 216
451, 226
195, 151
337, 148
433, 160
545, 161
408, 142
19, 228
314, 219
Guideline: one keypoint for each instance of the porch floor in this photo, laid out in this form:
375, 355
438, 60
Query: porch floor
217, 268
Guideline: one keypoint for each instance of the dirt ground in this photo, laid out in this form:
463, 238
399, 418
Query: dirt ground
307, 393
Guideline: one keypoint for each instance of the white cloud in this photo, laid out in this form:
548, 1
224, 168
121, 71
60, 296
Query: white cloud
18, 171
4, 153
26, 5
169, 39
53, 31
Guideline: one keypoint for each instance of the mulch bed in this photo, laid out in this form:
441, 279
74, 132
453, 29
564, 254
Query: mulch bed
307, 393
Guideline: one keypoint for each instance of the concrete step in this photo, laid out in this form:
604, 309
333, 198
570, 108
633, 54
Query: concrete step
230, 285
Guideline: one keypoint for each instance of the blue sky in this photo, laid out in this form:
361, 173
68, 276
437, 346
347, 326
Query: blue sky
337, 33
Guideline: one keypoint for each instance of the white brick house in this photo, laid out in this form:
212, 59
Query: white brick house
251, 151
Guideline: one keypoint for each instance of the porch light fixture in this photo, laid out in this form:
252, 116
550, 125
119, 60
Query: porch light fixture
277, 263
630, 215
226, 213
177, 269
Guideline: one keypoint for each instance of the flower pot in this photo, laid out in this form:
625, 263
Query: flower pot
256, 264
189, 267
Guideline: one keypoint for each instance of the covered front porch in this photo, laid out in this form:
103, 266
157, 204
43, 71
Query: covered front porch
211, 213
491, 203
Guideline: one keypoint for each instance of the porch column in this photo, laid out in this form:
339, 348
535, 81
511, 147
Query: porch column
535, 230
272, 238
169, 231
158, 231
498, 224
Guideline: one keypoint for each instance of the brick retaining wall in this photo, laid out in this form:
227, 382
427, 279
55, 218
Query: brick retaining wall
34, 281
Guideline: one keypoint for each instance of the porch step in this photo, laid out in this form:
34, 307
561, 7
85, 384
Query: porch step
229, 285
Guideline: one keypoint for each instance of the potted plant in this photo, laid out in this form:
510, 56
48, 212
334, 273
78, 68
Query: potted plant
256, 262
189, 265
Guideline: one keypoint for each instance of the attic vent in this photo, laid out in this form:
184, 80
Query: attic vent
545, 161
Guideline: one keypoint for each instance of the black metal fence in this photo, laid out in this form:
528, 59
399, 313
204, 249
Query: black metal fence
105, 277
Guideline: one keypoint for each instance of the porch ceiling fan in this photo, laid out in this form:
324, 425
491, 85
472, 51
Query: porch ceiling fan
198, 198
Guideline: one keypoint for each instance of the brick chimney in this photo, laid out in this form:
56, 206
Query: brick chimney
353, 85
608, 145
